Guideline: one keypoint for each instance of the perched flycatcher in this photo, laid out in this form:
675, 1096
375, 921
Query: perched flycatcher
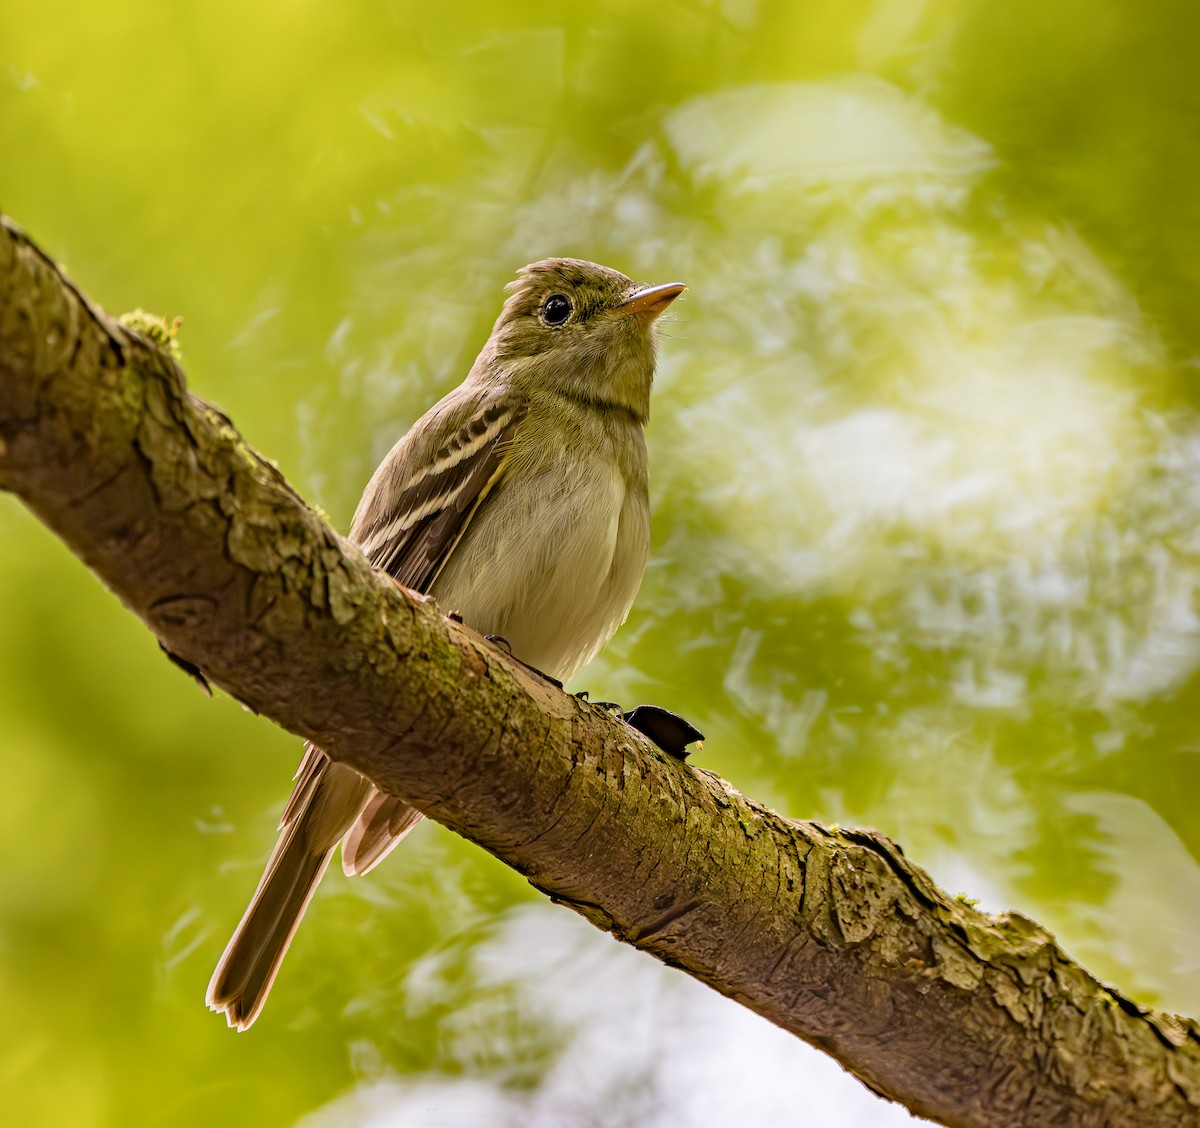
519, 501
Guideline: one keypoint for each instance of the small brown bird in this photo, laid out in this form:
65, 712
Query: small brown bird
519, 501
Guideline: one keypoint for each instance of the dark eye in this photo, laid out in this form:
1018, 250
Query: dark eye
556, 309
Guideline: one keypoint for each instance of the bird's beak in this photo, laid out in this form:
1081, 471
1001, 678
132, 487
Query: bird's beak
652, 300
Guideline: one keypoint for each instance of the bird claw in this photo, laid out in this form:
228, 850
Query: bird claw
502, 644
669, 731
190, 668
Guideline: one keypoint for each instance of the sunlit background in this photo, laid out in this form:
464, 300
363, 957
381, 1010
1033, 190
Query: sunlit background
926, 477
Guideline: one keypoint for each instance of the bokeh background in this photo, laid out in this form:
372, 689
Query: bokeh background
926, 464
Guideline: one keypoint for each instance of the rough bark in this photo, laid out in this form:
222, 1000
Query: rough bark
965, 1018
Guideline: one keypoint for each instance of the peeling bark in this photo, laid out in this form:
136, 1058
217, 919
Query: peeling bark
965, 1018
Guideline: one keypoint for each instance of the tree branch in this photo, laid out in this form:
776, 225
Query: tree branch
966, 1018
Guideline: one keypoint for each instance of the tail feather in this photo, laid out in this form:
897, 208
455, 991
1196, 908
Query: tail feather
248, 967
251, 960
384, 821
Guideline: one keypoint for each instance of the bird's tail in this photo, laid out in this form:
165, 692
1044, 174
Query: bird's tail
327, 800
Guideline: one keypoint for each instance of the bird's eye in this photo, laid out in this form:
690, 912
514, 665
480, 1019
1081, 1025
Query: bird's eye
556, 309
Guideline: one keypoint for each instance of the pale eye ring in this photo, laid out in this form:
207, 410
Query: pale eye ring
556, 310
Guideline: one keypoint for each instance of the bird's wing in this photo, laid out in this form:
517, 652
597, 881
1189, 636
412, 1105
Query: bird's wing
413, 514
421, 500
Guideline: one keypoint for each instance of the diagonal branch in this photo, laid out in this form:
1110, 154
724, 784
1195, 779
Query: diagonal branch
965, 1018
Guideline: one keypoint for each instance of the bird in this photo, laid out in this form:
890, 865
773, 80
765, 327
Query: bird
519, 501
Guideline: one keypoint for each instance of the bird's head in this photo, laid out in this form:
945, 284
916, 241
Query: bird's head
583, 330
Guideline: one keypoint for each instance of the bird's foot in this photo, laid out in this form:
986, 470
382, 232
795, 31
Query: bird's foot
502, 644
190, 668
669, 731
607, 706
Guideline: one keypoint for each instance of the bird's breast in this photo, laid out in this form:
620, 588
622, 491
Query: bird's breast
555, 556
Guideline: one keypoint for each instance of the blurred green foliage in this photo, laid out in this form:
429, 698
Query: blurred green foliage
925, 464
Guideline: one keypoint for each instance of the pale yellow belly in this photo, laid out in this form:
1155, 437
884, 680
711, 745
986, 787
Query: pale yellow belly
554, 570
